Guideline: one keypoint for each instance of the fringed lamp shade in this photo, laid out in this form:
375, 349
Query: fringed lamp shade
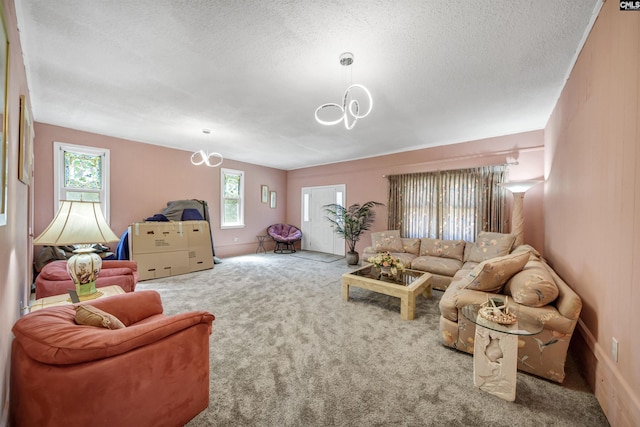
78, 223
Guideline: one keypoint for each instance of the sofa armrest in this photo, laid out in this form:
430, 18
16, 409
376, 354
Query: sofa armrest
454, 299
111, 263
452, 302
131, 307
51, 335
568, 303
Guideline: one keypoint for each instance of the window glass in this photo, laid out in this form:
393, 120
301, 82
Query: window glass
81, 173
82, 170
232, 203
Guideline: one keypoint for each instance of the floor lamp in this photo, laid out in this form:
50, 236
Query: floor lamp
81, 224
518, 188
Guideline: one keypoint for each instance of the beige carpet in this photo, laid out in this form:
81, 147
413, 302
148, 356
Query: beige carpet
286, 350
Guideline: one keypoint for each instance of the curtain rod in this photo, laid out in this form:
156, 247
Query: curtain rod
510, 156
447, 170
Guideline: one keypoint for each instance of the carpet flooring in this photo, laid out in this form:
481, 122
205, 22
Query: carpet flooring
286, 350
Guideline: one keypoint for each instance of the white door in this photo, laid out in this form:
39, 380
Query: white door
317, 231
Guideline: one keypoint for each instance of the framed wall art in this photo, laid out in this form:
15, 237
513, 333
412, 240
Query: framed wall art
4, 67
25, 156
272, 200
264, 193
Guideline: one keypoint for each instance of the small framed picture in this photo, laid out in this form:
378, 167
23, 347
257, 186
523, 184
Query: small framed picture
272, 200
25, 155
264, 193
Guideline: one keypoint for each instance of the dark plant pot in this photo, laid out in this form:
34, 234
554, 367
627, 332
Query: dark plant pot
353, 258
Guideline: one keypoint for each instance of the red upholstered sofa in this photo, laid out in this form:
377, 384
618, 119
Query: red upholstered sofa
153, 372
54, 279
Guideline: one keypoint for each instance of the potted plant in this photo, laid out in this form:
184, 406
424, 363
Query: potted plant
349, 223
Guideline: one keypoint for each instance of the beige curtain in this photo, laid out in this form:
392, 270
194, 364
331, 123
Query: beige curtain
455, 204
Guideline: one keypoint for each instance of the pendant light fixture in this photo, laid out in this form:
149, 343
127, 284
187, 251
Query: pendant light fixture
349, 111
201, 157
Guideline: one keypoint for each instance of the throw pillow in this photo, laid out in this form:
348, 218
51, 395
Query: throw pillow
533, 286
442, 248
91, 316
387, 241
489, 245
411, 245
492, 274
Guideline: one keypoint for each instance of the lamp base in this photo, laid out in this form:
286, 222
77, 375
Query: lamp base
84, 268
89, 297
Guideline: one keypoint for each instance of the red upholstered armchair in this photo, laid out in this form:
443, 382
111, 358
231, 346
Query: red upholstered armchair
154, 372
54, 279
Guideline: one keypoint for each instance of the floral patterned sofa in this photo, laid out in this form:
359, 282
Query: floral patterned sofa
521, 274
442, 258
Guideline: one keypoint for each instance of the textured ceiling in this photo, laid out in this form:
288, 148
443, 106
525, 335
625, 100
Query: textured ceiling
159, 71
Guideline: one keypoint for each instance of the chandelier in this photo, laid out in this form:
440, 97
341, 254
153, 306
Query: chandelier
349, 111
201, 157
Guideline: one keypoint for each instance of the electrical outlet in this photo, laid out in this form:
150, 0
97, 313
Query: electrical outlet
614, 349
235, 239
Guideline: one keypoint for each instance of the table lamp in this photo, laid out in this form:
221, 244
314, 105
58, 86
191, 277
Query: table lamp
79, 223
518, 188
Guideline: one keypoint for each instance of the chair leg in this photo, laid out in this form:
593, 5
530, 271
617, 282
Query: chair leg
284, 248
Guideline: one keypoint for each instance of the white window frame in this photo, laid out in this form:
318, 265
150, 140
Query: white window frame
240, 223
59, 190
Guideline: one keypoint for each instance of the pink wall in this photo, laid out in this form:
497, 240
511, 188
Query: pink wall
145, 177
590, 232
592, 205
364, 178
15, 248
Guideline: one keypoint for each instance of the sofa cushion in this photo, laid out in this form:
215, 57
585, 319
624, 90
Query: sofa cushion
492, 274
437, 265
411, 245
488, 245
405, 258
92, 316
533, 286
387, 241
442, 248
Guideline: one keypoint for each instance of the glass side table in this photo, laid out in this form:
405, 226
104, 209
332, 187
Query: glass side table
495, 351
261, 244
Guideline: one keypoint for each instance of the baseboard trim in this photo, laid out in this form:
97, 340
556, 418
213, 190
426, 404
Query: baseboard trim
617, 399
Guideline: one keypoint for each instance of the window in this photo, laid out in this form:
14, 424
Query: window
455, 204
81, 173
232, 203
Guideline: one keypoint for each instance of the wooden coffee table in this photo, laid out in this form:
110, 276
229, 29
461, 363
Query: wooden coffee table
408, 285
